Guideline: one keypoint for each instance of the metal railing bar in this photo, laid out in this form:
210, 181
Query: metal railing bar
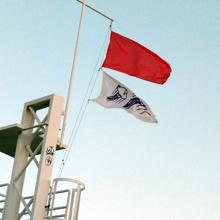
58, 208
3, 195
76, 206
54, 216
35, 126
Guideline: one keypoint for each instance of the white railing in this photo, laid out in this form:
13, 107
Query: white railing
71, 207
62, 204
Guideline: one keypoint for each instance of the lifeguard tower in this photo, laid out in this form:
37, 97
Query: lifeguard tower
35, 136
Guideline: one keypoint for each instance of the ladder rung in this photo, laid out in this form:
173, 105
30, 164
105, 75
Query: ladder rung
58, 208
55, 216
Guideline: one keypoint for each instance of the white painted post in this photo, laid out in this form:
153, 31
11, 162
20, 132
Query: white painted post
47, 158
21, 156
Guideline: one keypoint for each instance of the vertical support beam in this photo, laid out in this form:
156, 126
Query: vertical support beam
21, 157
47, 158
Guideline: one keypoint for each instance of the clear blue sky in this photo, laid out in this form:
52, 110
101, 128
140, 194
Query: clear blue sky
132, 170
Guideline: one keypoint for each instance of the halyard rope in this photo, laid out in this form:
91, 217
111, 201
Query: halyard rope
84, 104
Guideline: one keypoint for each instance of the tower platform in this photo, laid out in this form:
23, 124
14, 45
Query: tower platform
9, 136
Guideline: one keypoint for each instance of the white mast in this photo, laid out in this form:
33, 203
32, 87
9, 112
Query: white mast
72, 75
73, 69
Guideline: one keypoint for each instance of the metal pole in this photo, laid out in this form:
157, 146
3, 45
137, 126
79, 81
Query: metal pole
83, 2
47, 158
95, 10
72, 71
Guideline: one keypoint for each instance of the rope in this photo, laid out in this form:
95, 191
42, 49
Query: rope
84, 104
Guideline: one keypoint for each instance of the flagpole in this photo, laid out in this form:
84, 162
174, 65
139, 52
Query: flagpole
73, 70
72, 75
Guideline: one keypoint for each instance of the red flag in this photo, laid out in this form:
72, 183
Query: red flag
130, 57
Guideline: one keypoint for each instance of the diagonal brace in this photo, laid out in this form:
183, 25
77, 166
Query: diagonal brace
28, 162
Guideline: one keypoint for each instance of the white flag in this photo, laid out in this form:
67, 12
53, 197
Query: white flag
116, 95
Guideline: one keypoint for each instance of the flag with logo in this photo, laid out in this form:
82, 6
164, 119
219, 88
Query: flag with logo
116, 95
129, 57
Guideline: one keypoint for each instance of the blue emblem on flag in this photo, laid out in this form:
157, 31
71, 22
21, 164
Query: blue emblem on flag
139, 105
118, 95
